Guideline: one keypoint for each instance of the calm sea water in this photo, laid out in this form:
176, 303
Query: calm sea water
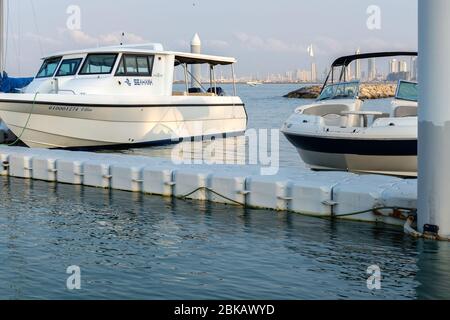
131, 246
266, 108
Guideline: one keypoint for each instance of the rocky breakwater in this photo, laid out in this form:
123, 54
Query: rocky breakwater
367, 91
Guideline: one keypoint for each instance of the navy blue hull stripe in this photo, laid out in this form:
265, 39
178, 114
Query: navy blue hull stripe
355, 146
124, 106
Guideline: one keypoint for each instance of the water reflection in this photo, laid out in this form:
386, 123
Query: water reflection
433, 275
136, 246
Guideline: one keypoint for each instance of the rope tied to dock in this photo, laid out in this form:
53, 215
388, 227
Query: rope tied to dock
213, 192
19, 137
410, 210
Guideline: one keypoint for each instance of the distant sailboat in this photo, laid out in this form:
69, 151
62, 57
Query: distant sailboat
254, 83
7, 84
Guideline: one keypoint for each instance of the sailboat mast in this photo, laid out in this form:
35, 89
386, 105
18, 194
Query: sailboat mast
2, 36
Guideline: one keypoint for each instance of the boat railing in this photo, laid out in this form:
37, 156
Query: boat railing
64, 90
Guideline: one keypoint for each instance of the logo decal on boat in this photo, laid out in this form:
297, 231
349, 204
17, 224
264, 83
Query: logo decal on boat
139, 82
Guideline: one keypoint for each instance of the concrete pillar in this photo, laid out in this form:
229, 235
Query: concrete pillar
434, 115
196, 71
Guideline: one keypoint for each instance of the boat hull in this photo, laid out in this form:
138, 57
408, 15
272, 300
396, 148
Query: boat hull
386, 156
44, 124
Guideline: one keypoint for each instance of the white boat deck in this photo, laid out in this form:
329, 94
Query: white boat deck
323, 194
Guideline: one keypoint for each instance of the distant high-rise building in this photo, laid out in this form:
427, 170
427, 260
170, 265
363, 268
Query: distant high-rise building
393, 66
358, 67
348, 73
371, 69
313, 63
402, 66
414, 75
313, 72
289, 76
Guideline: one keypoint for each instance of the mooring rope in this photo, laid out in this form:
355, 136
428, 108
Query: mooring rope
410, 210
356, 213
19, 137
213, 192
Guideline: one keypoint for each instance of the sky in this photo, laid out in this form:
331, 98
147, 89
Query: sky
265, 36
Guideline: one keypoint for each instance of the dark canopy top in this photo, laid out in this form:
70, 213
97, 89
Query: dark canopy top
345, 61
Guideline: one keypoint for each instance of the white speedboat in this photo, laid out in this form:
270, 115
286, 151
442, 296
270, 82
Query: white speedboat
254, 83
338, 132
120, 96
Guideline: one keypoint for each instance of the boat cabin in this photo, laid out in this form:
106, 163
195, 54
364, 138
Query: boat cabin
126, 70
339, 104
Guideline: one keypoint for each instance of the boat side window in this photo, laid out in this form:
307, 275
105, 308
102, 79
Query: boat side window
98, 64
135, 66
68, 67
48, 68
346, 90
407, 91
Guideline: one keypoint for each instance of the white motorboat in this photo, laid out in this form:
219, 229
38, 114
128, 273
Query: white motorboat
338, 132
120, 96
254, 83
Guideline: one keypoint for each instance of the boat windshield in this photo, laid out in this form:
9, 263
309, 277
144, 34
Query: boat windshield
48, 68
345, 90
97, 63
407, 91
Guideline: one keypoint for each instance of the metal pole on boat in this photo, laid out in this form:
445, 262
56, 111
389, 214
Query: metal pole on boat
196, 71
434, 116
2, 37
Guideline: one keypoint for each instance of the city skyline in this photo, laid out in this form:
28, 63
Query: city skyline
273, 40
404, 68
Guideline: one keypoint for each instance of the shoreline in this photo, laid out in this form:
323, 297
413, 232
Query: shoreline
368, 91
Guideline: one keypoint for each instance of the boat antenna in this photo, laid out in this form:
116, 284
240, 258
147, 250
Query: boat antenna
122, 37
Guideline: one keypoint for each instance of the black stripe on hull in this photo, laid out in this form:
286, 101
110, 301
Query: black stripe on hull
167, 142
93, 105
354, 146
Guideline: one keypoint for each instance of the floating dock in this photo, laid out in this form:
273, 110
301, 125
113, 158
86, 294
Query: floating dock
343, 195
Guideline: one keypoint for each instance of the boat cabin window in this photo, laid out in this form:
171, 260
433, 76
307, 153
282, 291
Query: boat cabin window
135, 66
68, 67
407, 91
48, 68
347, 90
98, 64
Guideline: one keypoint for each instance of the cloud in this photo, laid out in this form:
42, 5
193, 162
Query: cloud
43, 40
331, 47
254, 42
216, 44
113, 38
323, 46
207, 45
81, 37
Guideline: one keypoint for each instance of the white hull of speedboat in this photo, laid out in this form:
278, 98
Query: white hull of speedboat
387, 147
83, 124
390, 165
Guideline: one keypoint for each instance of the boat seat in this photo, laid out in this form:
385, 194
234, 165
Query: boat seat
217, 90
405, 111
195, 90
332, 120
199, 94
380, 116
324, 110
202, 94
